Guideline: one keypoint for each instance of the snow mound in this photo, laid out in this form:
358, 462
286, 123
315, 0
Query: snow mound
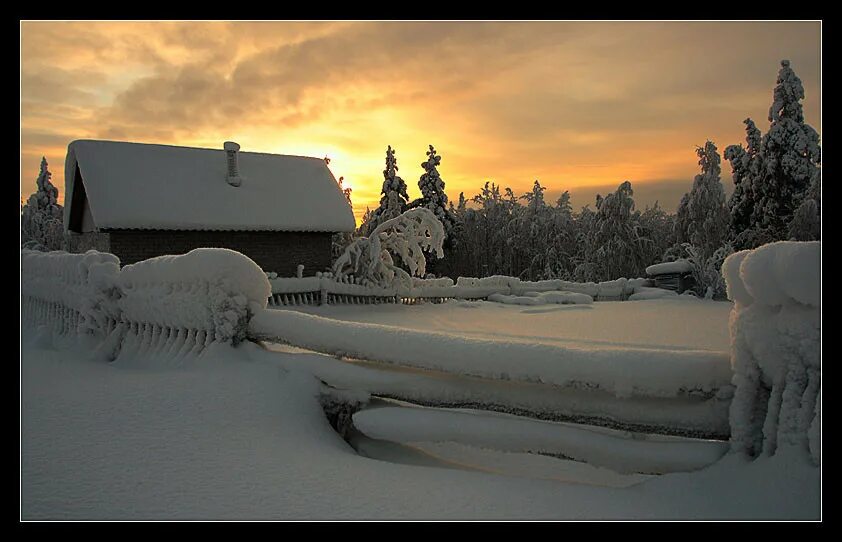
775, 330
678, 266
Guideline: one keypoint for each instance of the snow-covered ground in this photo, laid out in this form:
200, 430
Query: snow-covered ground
239, 433
680, 322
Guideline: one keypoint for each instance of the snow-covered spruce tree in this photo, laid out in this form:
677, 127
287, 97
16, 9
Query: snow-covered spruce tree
341, 240
432, 192
42, 226
369, 259
394, 199
770, 181
702, 217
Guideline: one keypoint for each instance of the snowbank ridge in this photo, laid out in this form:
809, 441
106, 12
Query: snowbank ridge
776, 347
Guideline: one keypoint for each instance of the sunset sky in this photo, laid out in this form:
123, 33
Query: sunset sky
581, 106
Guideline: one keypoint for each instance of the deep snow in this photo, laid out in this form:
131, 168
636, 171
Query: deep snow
236, 433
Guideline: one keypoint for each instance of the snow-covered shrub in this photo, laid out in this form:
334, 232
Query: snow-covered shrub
776, 347
213, 290
406, 236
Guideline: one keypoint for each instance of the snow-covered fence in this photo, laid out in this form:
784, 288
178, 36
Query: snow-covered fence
629, 372
69, 293
776, 348
171, 305
325, 288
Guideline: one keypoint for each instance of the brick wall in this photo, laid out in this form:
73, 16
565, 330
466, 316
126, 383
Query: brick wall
280, 252
83, 242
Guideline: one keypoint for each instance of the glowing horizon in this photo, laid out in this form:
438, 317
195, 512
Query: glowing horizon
578, 106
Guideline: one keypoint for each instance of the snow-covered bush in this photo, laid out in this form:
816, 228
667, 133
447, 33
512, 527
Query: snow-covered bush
776, 347
213, 290
406, 236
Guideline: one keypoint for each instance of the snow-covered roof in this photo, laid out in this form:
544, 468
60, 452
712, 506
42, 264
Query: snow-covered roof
164, 187
678, 266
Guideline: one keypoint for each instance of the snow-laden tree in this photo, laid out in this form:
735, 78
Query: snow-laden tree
432, 192
791, 153
619, 246
702, 217
42, 226
746, 168
407, 236
394, 199
774, 171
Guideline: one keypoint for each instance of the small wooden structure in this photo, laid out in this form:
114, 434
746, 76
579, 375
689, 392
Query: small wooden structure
676, 276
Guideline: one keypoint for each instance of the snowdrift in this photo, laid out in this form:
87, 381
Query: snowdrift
776, 347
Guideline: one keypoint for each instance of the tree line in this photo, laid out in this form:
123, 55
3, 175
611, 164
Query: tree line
777, 196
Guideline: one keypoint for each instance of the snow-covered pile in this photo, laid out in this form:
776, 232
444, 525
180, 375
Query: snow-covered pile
776, 347
543, 298
214, 290
678, 266
70, 292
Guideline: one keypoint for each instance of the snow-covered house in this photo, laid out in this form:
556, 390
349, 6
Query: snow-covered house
138, 201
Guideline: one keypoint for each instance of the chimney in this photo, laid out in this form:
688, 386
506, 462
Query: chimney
232, 153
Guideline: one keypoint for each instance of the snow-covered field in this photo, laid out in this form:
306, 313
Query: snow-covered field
239, 433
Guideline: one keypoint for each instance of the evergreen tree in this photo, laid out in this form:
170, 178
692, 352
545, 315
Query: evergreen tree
702, 217
432, 192
42, 226
791, 154
772, 174
394, 200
